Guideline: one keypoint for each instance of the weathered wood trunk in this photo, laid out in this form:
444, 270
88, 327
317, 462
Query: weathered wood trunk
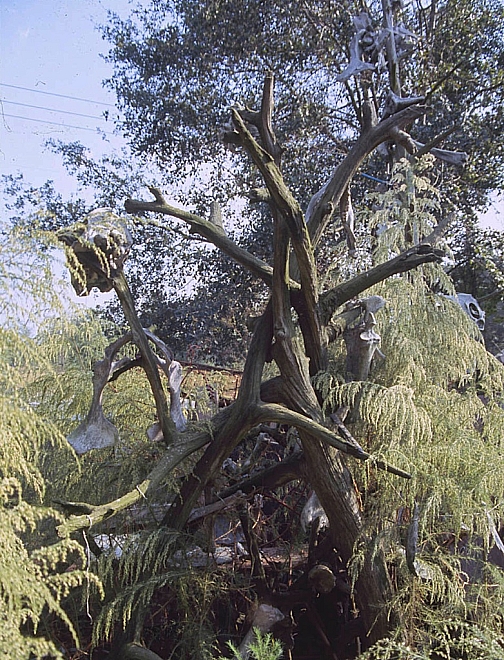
335, 489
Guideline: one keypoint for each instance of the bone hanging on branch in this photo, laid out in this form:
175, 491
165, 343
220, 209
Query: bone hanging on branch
96, 251
96, 248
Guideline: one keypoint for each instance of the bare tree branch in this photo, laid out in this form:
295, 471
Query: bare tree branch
407, 260
288, 208
148, 359
263, 120
286, 205
209, 231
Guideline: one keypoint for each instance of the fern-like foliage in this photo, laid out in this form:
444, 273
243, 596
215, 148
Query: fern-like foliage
150, 563
263, 647
434, 406
37, 571
407, 212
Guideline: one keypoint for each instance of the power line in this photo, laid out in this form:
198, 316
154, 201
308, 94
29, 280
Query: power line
65, 112
61, 96
373, 178
53, 123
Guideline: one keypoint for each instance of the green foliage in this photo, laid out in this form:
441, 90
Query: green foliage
455, 641
160, 562
263, 647
35, 578
28, 436
135, 576
434, 407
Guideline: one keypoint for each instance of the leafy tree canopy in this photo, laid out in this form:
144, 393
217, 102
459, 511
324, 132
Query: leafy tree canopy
180, 65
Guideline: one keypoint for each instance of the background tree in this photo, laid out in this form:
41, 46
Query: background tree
169, 59
453, 59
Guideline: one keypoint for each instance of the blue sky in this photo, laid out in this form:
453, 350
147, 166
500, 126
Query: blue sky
52, 49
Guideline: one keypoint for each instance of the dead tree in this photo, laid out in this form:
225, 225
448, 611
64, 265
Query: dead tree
290, 398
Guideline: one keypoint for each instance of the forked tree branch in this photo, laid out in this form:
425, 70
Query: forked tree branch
286, 206
263, 120
207, 230
227, 429
407, 260
324, 204
149, 361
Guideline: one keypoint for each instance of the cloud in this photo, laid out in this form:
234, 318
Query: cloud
24, 34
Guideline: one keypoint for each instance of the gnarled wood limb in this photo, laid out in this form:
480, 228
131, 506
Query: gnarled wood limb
149, 360
209, 231
407, 260
171, 368
220, 505
336, 492
270, 412
290, 360
263, 120
241, 418
259, 352
458, 158
424, 252
275, 476
286, 205
283, 327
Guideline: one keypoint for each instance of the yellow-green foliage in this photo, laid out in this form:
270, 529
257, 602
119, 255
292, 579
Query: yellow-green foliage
29, 438
31, 581
34, 579
434, 406
263, 647
63, 393
411, 202
454, 640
